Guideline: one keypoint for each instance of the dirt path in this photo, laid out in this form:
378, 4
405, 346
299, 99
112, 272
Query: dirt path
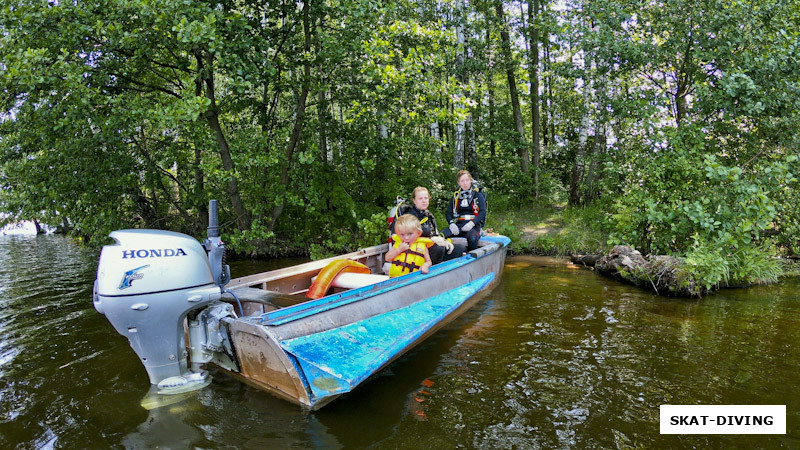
551, 225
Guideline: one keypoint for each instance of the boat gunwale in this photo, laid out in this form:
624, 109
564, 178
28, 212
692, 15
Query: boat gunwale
277, 274
296, 312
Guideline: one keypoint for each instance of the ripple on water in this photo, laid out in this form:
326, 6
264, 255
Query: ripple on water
552, 358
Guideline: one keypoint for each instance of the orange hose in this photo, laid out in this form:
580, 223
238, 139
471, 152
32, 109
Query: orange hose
325, 277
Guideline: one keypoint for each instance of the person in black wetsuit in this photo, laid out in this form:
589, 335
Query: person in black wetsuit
444, 250
466, 211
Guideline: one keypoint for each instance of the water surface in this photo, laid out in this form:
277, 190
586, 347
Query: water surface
555, 357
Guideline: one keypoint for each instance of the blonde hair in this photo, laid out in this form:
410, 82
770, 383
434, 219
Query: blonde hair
462, 173
419, 189
407, 222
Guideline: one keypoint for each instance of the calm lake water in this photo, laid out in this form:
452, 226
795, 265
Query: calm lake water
555, 357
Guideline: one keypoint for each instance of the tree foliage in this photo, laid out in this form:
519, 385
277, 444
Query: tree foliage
306, 119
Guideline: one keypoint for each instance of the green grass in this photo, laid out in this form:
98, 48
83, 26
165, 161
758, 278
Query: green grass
541, 229
554, 230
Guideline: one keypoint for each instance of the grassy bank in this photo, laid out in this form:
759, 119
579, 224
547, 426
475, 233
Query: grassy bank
553, 230
567, 230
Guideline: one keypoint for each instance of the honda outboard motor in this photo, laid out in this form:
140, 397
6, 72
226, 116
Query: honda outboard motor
148, 282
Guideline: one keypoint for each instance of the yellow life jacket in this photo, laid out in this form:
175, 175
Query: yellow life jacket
410, 260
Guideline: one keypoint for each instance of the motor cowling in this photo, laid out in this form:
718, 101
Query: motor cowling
147, 283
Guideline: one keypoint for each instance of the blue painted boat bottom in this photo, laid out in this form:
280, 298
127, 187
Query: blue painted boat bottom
314, 307
337, 360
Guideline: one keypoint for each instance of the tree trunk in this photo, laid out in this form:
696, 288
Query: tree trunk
681, 106
434, 130
533, 36
579, 166
324, 123
522, 146
339, 151
598, 149
157, 183
684, 82
383, 130
199, 187
458, 152
65, 226
471, 150
665, 275
199, 178
205, 64
436, 134
323, 111
459, 148
580, 154
490, 94
298, 121
548, 122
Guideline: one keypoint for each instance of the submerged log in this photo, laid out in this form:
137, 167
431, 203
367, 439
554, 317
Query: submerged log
585, 260
663, 274
672, 275
620, 259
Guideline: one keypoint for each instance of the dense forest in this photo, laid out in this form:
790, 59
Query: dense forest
678, 120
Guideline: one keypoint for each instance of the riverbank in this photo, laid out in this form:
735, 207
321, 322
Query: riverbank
581, 233
553, 230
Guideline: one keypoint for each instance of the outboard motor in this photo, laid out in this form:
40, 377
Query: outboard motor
148, 282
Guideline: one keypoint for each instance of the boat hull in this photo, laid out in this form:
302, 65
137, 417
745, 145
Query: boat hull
313, 352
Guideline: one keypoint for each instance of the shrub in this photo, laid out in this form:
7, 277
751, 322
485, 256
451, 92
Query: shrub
712, 266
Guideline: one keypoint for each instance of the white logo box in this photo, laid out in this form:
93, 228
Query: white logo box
723, 419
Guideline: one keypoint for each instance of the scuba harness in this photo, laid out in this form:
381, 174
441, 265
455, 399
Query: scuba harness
394, 212
400, 208
464, 199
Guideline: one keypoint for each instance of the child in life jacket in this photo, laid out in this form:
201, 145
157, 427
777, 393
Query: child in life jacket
410, 251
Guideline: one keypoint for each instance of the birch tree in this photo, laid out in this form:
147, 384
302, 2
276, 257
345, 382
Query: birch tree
510, 65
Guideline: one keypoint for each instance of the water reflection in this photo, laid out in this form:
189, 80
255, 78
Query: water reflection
555, 357
573, 360
230, 413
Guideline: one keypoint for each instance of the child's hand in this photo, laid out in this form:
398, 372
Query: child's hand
424, 268
403, 247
